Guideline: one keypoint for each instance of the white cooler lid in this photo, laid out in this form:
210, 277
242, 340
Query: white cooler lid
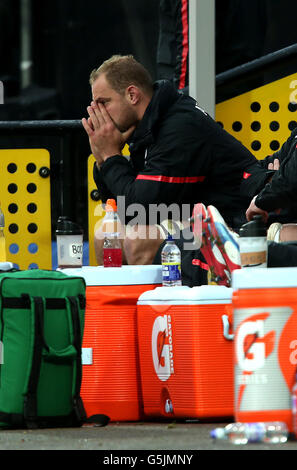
260, 278
124, 276
179, 295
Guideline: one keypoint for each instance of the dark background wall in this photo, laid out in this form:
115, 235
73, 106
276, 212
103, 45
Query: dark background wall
71, 37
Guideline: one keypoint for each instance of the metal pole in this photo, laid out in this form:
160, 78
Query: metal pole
202, 53
53, 127
26, 46
1, 93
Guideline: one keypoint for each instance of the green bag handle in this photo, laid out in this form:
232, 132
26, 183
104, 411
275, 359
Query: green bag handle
52, 355
71, 353
67, 354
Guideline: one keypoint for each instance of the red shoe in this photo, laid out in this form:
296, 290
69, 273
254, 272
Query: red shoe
211, 253
224, 238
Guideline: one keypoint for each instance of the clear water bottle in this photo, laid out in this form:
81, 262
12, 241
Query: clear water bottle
2, 237
275, 432
112, 248
171, 263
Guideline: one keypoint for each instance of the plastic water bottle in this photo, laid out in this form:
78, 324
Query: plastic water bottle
112, 248
2, 237
171, 263
275, 432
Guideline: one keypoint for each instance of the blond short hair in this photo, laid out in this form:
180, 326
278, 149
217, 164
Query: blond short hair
123, 71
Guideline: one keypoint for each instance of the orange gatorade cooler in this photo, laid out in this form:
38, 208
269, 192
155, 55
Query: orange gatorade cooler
265, 343
111, 375
185, 350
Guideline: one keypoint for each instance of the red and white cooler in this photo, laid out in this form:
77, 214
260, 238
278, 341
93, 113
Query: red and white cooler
265, 343
111, 376
185, 351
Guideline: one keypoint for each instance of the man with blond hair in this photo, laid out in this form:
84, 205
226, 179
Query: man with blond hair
178, 154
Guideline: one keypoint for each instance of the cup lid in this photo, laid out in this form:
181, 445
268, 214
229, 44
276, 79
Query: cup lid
66, 227
254, 228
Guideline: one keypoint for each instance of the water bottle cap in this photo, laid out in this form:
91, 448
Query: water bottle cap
66, 227
111, 205
254, 228
169, 237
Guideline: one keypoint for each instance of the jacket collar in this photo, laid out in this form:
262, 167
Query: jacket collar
163, 97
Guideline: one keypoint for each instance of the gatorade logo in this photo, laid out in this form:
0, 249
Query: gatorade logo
252, 345
162, 348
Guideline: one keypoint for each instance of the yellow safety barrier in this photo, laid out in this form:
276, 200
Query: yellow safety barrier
26, 203
263, 118
95, 210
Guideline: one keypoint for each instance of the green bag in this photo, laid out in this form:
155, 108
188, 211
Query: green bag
41, 329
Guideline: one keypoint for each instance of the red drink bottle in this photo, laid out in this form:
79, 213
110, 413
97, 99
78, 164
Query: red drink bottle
112, 250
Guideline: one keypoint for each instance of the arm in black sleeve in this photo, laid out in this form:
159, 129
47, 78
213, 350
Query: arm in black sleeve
280, 193
254, 179
258, 175
164, 176
182, 44
282, 154
119, 175
166, 47
172, 49
104, 192
144, 188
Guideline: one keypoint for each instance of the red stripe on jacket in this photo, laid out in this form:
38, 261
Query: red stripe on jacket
185, 43
171, 179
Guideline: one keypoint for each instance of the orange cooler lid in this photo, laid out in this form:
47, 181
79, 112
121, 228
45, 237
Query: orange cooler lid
263, 278
180, 295
123, 276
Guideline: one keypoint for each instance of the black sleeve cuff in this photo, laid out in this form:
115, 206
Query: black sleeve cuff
110, 161
104, 192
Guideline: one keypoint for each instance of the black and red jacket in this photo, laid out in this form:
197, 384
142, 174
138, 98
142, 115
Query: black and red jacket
173, 42
179, 154
280, 193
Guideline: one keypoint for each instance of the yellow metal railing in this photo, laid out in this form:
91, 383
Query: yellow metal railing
26, 202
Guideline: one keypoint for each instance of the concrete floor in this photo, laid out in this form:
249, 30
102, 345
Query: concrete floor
153, 436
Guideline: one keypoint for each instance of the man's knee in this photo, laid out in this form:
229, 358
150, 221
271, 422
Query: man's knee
141, 244
288, 232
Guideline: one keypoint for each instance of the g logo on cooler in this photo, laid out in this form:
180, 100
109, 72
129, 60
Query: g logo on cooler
250, 355
252, 344
162, 350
